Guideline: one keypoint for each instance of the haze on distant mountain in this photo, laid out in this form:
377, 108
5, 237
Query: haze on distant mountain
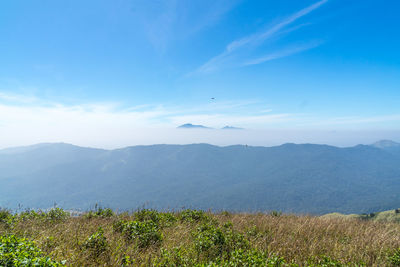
231, 128
386, 144
303, 178
191, 126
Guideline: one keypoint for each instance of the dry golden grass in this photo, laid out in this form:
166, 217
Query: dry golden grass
298, 239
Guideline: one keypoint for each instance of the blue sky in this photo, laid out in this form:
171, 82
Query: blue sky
80, 71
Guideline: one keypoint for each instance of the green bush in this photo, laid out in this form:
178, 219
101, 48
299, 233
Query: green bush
100, 212
96, 243
394, 257
242, 257
147, 215
246, 258
162, 219
53, 215
30, 215
119, 226
168, 219
176, 257
326, 261
56, 214
213, 242
6, 217
22, 252
144, 233
193, 216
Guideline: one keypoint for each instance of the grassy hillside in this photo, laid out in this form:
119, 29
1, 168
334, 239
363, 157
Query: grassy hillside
194, 238
384, 216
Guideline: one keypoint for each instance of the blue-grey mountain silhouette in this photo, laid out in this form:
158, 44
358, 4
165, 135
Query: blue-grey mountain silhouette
192, 126
303, 178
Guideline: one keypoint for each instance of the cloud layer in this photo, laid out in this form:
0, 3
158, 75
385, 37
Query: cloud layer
109, 125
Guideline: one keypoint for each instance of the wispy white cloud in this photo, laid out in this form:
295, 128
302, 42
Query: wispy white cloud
256, 39
10, 97
282, 53
363, 120
164, 21
212, 14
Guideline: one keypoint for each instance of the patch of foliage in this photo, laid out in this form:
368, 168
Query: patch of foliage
6, 217
145, 233
162, 219
175, 257
96, 243
193, 216
238, 257
56, 214
100, 212
16, 251
53, 215
394, 257
253, 257
326, 261
218, 242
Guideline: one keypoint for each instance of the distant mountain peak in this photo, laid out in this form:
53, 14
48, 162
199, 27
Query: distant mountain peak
192, 126
231, 128
385, 144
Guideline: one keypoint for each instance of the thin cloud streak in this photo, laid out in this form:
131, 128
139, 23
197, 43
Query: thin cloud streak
254, 40
168, 16
17, 98
283, 53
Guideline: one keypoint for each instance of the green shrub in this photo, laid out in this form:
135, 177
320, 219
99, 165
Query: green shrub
127, 261
162, 219
253, 258
253, 232
147, 215
53, 215
22, 252
30, 215
168, 219
6, 217
240, 257
326, 261
57, 214
100, 212
119, 226
218, 242
96, 243
176, 257
144, 233
193, 216
394, 257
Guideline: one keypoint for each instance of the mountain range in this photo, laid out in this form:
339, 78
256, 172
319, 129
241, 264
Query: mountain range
192, 126
195, 126
299, 178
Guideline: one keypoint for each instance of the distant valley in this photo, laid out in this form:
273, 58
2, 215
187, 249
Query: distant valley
299, 178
